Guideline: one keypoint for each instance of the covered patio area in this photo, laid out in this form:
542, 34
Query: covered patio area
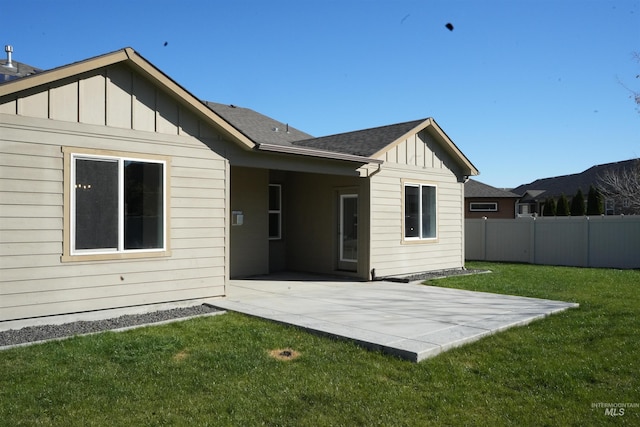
408, 320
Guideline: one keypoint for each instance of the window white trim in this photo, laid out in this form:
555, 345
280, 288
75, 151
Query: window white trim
479, 206
420, 213
344, 257
277, 211
119, 251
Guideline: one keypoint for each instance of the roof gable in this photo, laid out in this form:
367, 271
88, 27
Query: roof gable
14, 88
375, 142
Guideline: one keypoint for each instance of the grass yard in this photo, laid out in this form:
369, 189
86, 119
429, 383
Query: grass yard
219, 371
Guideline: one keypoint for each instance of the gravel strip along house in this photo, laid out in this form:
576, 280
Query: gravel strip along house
122, 192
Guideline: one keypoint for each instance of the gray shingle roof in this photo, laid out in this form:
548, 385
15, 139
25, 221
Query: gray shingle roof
569, 184
268, 132
18, 70
258, 127
265, 130
361, 143
473, 189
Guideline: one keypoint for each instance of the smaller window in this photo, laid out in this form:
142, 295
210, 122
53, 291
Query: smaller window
609, 207
483, 207
275, 212
420, 212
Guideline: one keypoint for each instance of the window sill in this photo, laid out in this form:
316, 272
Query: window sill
418, 241
114, 256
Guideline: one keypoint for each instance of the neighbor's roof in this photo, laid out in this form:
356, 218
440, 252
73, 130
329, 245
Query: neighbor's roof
16, 71
477, 189
258, 127
569, 184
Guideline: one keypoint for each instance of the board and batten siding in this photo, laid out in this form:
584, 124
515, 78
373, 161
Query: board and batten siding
33, 279
116, 96
419, 150
418, 159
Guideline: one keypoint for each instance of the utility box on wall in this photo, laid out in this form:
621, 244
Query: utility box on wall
237, 218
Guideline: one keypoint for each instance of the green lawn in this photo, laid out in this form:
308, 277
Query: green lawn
218, 371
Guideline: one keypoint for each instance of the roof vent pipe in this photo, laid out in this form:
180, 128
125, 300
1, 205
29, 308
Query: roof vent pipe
9, 49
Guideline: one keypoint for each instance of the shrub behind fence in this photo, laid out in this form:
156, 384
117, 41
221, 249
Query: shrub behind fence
597, 241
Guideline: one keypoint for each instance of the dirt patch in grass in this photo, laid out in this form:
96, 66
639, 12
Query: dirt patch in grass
284, 354
180, 356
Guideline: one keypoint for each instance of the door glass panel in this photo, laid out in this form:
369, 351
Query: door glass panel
349, 228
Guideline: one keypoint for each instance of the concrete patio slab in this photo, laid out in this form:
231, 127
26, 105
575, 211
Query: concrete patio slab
409, 320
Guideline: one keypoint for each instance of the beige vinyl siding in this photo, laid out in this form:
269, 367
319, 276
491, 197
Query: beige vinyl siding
167, 114
119, 86
311, 211
418, 159
33, 280
8, 107
144, 104
35, 105
89, 111
249, 242
63, 102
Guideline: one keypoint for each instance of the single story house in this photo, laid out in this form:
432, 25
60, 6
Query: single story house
120, 189
534, 194
482, 200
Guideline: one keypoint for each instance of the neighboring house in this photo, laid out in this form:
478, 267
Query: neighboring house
482, 200
533, 195
119, 188
11, 70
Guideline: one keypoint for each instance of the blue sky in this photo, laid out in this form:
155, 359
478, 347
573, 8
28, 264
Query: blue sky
526, 89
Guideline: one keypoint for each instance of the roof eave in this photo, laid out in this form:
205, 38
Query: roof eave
150, 70
452, 148
309, 152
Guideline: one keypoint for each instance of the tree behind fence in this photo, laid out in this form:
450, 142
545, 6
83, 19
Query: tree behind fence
599, 241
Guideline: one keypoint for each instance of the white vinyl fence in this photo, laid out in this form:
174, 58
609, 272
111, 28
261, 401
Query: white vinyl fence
602, 241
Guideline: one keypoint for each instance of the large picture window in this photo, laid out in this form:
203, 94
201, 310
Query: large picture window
118, 204
420, 212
